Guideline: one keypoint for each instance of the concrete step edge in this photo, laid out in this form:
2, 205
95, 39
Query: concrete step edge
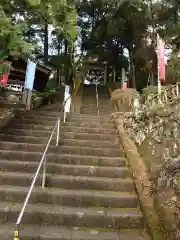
69, 181
69, 192
64, 158
64, 155
69, 138
68, 177
50, 127
51, 233
48, 133
55, 209
66, 169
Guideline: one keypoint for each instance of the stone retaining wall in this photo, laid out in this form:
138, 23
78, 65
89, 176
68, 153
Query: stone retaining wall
8, 111
151, 141
6, 115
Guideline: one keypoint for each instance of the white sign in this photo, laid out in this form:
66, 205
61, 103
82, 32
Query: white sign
67, 104
67, 99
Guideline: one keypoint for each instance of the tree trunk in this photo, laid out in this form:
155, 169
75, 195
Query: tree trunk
132, 71
46, 43
58, 68
66, 67
57, 77
105, 74
152, 82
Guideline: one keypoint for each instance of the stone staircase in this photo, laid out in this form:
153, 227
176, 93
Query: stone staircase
89, 102
89, 191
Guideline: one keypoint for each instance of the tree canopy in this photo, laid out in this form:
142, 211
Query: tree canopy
62, 33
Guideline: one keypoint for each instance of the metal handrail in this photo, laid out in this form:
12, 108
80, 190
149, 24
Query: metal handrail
97, 98
42, 161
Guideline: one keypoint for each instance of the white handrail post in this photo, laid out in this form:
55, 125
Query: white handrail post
97, 98
58, 131
44, 172
177, 90
64, 115
173, 91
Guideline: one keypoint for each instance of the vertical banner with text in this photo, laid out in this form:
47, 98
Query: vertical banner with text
161, 59
30, 75
161, 62
67, 99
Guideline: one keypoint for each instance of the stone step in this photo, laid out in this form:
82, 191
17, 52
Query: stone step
90, 143
89, 111
105, 100
86, 116
101, 113
32, 126
25, 139
44, 113
66, 169
25, 147
63, 158
90, 106
35, 117
90, 118
9, 105
48, 215
76, 150
89, 130
63, 141
90, 151
89, 136
27, 132
57, 114
32, 232
108, 110
70, 118
89, 103
63, 128
69, 123
35, 121
72, 198
69, 182
63, 135
92, 109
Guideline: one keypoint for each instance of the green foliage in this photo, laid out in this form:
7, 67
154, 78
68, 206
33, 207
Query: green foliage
51, 85
150, 91
34, 2
71, 26
4, 68
48, 94
11, 38
168, 21
173, 69
100, 28
112, 27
